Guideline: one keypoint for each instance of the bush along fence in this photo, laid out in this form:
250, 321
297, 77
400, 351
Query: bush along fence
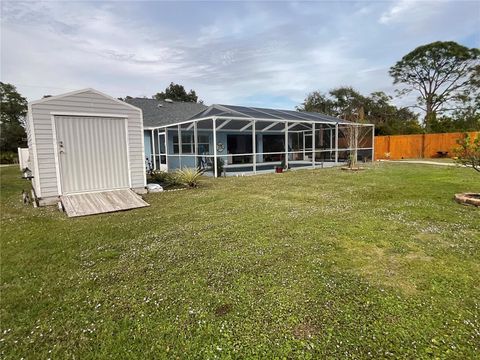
397, 147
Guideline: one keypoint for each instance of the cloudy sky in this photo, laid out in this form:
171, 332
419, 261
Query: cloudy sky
267, 54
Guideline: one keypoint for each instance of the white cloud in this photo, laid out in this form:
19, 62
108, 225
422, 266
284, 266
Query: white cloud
397, 11
227, 52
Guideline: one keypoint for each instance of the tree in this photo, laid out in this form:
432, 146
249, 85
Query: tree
177, 92
443, 74
389, 119
355, 136
468, 152
13, 109
349, 104
343, 102
317, 102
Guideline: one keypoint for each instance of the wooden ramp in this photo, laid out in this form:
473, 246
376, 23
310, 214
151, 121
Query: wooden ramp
101, 202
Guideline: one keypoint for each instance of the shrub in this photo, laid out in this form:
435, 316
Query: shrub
7, 157
468, 152
189, 176
164, 178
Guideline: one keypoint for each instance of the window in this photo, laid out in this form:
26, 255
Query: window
297, 141
188, 144
203, 144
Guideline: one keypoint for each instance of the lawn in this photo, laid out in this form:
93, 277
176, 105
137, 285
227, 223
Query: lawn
306, 264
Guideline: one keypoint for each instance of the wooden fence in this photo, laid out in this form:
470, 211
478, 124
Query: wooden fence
417, 146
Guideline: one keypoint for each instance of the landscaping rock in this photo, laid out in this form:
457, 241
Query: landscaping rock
153, 188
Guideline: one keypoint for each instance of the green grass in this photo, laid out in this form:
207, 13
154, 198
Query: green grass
306, 264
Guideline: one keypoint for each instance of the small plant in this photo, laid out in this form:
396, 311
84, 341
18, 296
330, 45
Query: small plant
8, 158
164, 178
220, 166
351, 161
189, 176
281, 167
468, 152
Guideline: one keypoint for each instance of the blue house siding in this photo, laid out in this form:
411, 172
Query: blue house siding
147, 139
174, 161
189, 161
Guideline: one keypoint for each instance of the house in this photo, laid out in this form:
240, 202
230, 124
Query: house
158, 113
88, 142
84, 142
239, 139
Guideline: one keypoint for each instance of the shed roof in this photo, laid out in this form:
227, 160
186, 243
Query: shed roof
47, 99
160, 113
267, 114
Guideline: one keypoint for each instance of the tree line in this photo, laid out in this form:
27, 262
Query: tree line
445, 77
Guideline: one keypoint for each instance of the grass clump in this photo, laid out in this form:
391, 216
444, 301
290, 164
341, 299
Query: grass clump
189, 177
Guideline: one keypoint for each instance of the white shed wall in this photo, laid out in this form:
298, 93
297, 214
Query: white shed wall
41, 136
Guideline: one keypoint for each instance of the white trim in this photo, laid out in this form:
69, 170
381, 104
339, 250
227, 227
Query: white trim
246, 126
55, 155
36, 175
72, 113
166, 147
223, 124
128, 154
270, 153
336, 144
143, 150
214, 124
288, 127
254, 146
373, 143
76, 92
270, 126
195, 142
180, 144
332, 123
189, 126
314, 149
152, 136
286, 143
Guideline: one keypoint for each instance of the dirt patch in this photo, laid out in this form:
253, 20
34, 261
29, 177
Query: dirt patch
304, 331
353, 169
418, 256
223, 309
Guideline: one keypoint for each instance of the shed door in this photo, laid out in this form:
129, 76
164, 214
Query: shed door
92, 153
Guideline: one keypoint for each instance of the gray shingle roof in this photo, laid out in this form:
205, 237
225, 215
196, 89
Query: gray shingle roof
158, 113
262, 113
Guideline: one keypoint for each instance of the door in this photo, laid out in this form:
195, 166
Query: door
92, 153
240, 144
162, 152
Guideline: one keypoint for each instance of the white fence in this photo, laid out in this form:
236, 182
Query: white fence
23, 158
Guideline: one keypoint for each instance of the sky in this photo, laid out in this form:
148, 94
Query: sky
266, 54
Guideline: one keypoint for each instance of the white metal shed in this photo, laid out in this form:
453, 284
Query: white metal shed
84, 141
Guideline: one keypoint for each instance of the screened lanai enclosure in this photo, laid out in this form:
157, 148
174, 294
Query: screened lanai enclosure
232, 140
